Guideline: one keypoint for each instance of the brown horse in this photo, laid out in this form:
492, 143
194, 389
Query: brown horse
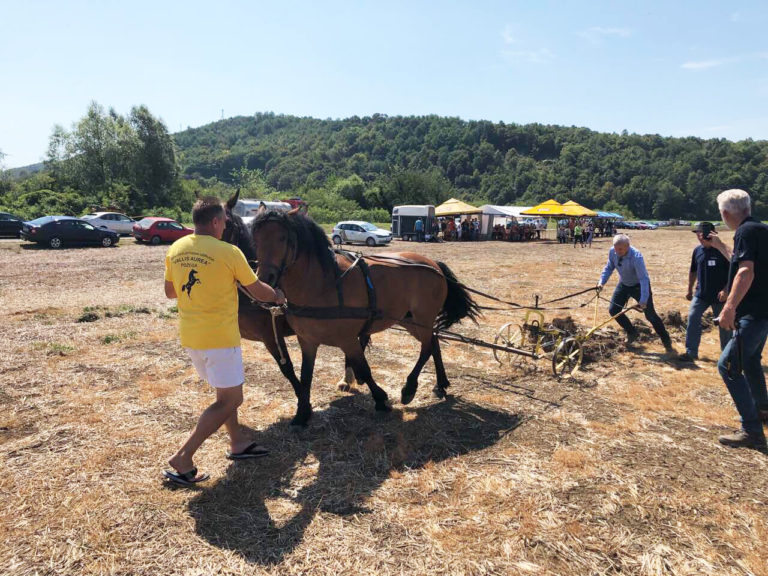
255, 322
331, 300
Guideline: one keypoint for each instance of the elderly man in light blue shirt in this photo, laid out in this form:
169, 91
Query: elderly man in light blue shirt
634, 283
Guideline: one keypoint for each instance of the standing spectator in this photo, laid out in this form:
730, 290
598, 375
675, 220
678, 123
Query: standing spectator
709, 271
577, 235
590, 233
635, 283
418, 227
746, 312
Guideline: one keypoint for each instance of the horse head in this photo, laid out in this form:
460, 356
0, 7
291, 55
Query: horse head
281, 238
236, 232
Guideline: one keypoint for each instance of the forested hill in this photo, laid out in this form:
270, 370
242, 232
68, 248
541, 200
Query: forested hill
650, 175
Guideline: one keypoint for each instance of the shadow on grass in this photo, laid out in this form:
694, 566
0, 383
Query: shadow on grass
333, 467
663, 358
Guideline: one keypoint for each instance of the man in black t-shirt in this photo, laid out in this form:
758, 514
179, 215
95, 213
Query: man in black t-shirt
709, 272
746, 312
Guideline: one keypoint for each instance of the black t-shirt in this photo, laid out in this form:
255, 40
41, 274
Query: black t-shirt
711, 269
751, 244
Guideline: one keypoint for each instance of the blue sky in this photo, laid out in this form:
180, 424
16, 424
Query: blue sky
670, 68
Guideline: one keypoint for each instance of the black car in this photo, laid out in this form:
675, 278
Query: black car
55, 231
10, 225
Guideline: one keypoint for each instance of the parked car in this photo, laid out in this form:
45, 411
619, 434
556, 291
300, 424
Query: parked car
114, 221
10, 225
55, 231
352, 231
642, 225
156, 230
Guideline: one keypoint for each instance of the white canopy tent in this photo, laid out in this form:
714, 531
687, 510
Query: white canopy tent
491, 213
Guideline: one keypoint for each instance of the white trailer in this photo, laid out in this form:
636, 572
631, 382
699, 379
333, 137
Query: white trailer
404, 220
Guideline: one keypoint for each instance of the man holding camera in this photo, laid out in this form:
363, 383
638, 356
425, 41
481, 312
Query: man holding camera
746, 312
709, 272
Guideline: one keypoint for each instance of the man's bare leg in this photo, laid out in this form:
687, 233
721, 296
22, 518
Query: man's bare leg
238, 441
221, 412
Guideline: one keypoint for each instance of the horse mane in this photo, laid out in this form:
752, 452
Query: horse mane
304, 234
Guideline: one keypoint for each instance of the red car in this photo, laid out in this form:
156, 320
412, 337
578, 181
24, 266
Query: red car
156, 230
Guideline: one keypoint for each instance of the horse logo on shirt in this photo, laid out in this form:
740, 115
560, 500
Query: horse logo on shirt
190, 283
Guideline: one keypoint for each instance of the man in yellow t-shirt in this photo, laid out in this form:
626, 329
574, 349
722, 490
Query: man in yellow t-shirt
202, 272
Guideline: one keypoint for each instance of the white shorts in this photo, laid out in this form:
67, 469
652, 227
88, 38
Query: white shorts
220, 367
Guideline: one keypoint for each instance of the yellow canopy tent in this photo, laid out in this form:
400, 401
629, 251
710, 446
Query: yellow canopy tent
550, 208
572, 208
455, 207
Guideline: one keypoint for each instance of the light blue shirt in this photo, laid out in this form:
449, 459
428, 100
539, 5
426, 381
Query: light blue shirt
631, 271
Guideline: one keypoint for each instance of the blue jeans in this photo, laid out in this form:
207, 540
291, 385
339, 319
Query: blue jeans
693, 333
748, 388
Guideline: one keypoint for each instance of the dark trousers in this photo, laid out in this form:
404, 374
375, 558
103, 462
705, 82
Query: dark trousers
621, 295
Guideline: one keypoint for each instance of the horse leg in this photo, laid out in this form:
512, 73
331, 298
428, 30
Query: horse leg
363, 374
286, 368
412, 382
304, 409
345, 384
442, 379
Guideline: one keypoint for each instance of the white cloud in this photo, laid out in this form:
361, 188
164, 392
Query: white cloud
531, 56
715, 62
704, 64
508, 36
596, 34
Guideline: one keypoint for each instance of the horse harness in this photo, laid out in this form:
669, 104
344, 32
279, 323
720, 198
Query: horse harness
370, 313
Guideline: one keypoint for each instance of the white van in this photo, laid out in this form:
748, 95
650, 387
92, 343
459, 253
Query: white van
248, 207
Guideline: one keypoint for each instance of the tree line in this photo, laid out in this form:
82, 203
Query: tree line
361, 167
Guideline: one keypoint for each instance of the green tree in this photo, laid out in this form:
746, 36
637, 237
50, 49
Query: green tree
153, 156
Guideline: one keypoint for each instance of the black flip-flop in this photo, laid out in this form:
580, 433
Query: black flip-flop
187, 479
254, 450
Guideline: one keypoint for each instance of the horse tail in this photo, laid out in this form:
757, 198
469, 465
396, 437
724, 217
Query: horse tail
458, 303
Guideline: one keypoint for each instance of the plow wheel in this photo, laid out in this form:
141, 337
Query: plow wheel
567, 358
511, 336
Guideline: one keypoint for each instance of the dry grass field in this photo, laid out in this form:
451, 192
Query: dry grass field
615, 471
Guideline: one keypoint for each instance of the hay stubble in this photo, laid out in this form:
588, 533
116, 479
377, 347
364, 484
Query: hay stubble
616, 471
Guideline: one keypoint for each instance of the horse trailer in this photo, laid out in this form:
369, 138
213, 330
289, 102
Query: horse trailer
404, 221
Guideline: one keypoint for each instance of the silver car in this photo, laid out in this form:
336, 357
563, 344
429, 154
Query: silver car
359, 232
119, 223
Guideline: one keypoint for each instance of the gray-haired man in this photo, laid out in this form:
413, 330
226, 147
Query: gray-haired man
633, 282
746, 312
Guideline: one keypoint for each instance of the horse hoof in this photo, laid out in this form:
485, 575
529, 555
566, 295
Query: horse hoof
383, 408
302, 418
439, 392
406, 397
344, 386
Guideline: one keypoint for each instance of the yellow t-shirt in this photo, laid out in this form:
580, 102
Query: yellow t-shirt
204, 272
